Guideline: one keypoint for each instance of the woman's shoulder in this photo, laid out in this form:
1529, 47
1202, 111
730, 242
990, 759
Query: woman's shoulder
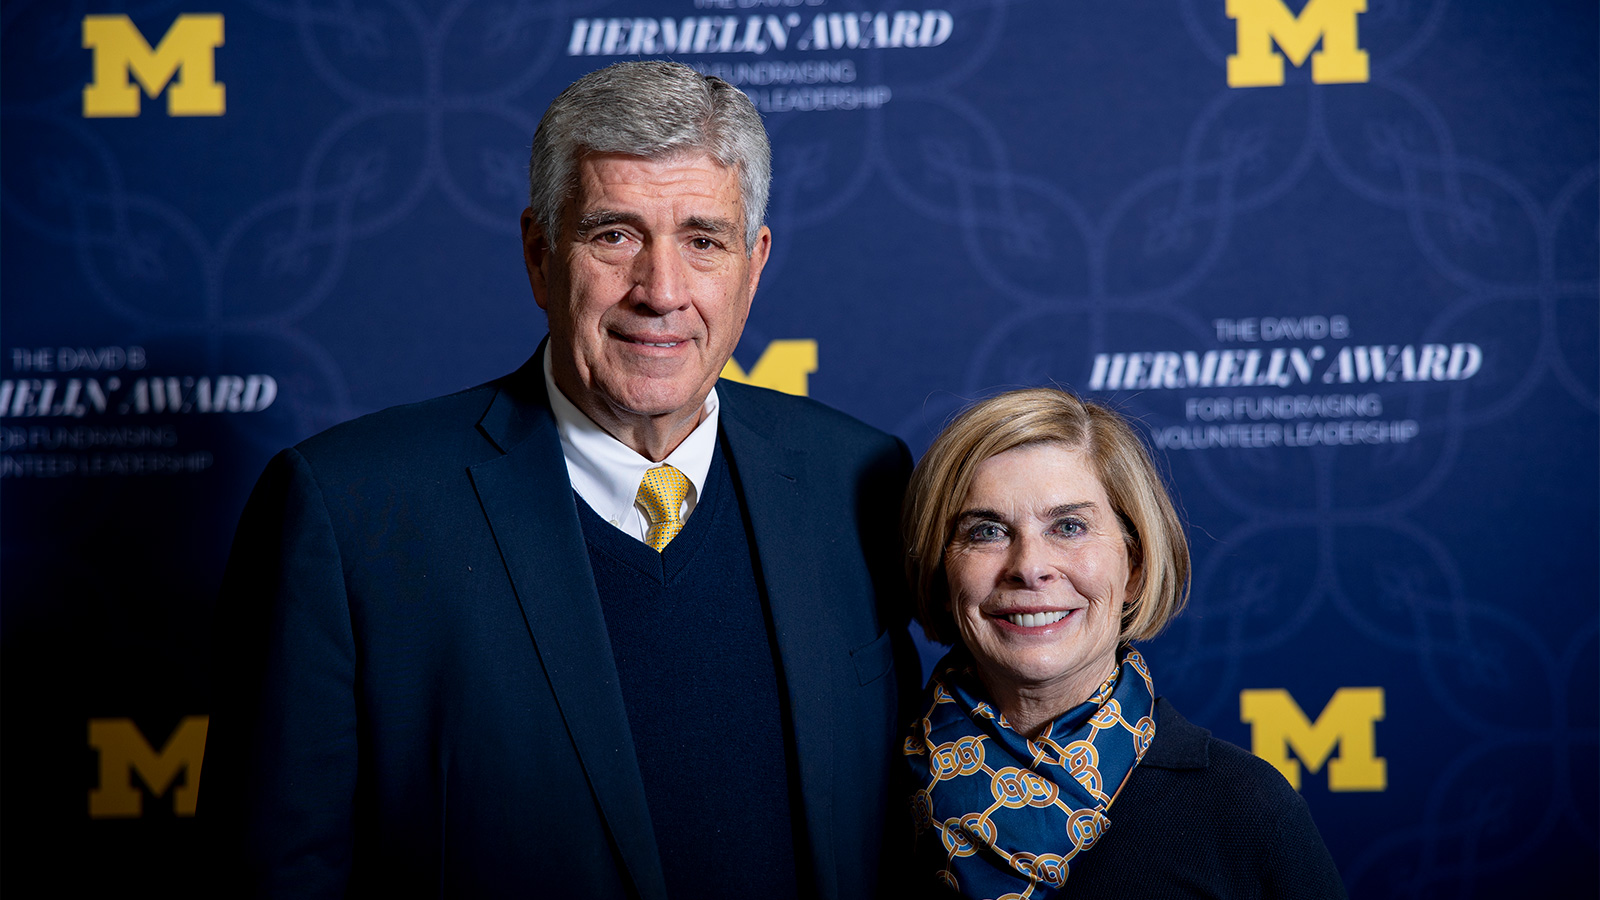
1222, 816
1223, 775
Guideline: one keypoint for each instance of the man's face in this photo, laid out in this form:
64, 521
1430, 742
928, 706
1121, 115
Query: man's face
647, 287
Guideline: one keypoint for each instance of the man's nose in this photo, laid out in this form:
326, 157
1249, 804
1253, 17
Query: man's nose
659, 276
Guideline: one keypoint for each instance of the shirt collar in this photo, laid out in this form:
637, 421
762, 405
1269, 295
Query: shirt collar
606, 472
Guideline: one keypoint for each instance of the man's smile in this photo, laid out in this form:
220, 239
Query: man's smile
664, 341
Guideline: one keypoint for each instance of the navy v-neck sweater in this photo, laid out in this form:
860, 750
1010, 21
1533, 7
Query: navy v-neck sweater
693, 646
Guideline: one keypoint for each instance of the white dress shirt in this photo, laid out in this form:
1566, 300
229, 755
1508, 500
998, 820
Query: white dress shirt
606, 472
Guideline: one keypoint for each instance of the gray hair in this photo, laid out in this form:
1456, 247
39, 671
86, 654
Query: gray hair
653, 109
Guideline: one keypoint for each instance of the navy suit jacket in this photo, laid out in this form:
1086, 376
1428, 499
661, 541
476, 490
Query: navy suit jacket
416, 692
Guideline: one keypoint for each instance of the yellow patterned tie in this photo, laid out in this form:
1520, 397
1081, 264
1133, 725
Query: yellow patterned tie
662, 493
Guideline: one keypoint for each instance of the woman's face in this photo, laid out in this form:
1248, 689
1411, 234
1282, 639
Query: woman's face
1038, 569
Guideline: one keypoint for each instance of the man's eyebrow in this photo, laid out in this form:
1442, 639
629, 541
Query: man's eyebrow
600, 218
603, 218
709, 225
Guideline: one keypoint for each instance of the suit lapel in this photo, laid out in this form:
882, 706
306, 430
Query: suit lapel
530, 506
773, 481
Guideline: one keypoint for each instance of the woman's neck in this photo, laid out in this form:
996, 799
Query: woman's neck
1029, 707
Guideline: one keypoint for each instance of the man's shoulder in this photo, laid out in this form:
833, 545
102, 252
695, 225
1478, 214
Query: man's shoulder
410, 431
798, 421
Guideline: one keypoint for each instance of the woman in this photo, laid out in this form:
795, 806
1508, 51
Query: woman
1041, 543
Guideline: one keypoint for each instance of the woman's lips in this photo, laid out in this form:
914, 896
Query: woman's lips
1032, 618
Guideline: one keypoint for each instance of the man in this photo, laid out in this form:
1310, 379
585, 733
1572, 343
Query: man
601, 628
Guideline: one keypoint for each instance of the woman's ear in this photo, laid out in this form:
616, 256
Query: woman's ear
1133, 591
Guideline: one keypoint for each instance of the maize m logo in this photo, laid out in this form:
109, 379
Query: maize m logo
1350, 722
187, 51
124, 753
1261, 23
784, 366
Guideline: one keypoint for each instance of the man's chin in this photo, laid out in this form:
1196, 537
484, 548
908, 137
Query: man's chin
656, 400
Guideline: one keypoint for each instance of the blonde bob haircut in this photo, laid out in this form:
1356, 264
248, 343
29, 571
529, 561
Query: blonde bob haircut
1157, 548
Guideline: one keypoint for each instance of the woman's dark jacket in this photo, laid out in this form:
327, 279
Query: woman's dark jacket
1203, 818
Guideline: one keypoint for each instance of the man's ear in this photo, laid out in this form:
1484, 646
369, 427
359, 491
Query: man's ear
536, 256
759, 251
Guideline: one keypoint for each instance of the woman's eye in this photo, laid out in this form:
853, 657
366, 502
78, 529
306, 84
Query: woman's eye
1069, 527
984, 532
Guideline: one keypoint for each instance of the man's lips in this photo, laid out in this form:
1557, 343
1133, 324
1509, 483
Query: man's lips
660, 341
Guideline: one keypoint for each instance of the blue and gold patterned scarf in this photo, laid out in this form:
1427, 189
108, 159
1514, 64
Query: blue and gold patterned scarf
1000, 814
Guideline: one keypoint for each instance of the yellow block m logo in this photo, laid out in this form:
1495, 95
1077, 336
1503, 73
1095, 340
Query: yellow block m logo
1260, 22
188, 50
1277, 725
783, 366
124, 751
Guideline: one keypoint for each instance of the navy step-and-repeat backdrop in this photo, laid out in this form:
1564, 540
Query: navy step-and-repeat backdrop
1338, 258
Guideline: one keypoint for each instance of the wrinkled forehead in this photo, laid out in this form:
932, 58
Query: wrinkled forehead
693, 184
